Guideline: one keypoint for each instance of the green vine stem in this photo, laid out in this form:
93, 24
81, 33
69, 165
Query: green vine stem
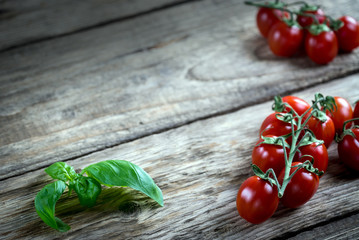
334, 24
280, 6
346, 131
305, 4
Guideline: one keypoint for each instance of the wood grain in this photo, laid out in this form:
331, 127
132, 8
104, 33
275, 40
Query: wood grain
346, 228
72, 96
199, 168
24, 22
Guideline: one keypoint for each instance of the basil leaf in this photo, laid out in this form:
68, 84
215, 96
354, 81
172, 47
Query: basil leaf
87, 190
61, 171
125, 174
45, 202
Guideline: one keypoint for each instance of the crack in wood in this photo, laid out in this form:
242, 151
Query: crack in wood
288, 235
178, 125
6, 14
9, 14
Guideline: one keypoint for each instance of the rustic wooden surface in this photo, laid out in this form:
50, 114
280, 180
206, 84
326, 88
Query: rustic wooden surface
177, 87
25, 22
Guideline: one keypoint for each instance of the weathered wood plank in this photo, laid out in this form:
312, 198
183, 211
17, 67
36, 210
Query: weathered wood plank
346, 228
68, 97
22, 21
222, 22
199, 167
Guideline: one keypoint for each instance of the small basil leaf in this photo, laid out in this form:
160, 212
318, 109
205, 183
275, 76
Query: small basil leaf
125, 174
61, 171
45, 202
87, 190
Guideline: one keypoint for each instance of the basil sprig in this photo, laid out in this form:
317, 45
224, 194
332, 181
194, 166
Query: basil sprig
110, 173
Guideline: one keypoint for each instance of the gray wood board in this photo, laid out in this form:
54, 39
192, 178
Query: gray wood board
199, 168
71, 96
222, 22
23, 21
342, 228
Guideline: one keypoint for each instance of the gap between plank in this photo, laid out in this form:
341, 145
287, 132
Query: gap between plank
332, 220
101, 24
205, 117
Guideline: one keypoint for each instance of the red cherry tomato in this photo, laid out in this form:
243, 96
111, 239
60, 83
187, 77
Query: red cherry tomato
273, 126
267, 156
300, 188
348, 150
298, 104
284, 40
322, 48
322, 130
356, 113
267, 17
318, 152
306, 21
341, 113
257, 200
348, 34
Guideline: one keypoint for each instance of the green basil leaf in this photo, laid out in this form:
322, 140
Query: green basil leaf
61, 171
125, 174
87, 190
45, 202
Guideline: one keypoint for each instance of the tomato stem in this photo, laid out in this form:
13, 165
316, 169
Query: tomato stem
313, 16
346, 131
293, 150
348, 121
298, 2
275, 5
335, 24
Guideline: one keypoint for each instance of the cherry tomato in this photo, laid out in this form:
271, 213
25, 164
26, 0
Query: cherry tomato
341, 113
322, 130
273, 126
267, 156
321, 48
348, 34
284, 40
306, 21
318, 152
267, 17
348, 150
300, 188
298, 104
356, 113
257, 200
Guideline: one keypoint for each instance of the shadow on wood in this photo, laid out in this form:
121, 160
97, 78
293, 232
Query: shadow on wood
115, 202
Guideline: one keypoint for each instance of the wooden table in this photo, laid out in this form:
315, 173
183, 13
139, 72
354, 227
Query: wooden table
178, 87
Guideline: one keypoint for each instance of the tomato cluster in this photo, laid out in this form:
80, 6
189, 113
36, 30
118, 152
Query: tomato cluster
291, 154
308, 30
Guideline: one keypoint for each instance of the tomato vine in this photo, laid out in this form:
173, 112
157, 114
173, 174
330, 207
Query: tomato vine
301, 154
288, 30
297, 122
